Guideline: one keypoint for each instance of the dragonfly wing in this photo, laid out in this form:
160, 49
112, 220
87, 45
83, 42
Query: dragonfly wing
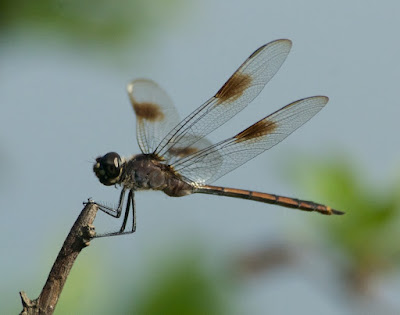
155, 113
213, 162
240, 89
177, 152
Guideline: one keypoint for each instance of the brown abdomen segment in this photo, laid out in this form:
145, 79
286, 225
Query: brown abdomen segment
267, 198
177, 187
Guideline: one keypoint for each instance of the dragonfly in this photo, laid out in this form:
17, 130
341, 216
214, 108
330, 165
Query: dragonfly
178, 159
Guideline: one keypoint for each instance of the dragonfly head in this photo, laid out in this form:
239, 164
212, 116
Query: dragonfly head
108, 168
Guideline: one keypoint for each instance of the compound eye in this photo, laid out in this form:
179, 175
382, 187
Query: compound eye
111, 163
108, 168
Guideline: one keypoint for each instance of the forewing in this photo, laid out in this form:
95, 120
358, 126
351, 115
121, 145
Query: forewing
240, 89
209, 164
155, 113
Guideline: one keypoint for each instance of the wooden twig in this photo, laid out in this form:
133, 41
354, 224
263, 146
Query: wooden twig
78, 238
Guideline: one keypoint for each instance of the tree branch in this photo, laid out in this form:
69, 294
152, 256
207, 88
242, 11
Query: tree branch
78, 238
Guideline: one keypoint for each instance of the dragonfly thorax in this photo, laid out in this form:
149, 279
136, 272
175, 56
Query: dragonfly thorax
143, 171
146, 171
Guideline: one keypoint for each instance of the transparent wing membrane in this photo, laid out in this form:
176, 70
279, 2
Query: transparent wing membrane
211, 163
240, 89
155, 113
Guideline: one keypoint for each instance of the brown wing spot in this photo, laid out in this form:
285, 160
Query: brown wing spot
182, 152
234, 87
259, 129
148, 111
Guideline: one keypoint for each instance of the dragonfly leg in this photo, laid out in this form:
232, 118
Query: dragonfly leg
116, 213
121, 231
131, 200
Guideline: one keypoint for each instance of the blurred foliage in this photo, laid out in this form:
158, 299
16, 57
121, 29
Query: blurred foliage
177, 282
366, 237
264, 258
82, 286
183, 284
88, 21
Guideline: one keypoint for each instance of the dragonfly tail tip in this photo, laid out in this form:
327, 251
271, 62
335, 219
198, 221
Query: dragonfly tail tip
337, 212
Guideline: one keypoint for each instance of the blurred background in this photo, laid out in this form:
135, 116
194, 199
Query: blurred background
64, 66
